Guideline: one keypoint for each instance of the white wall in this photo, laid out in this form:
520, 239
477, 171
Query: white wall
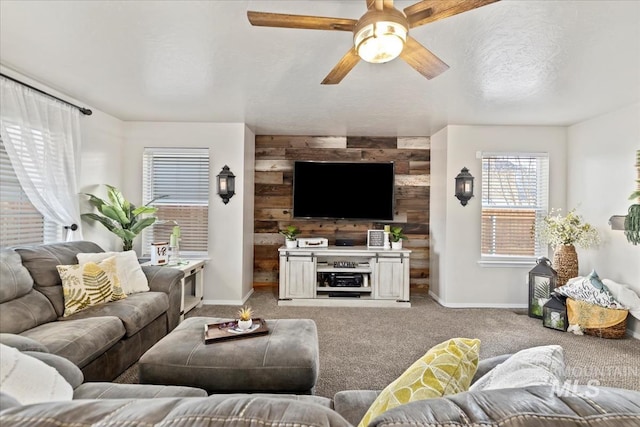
248, 215
461, 281
228, 277
100, 163
438, 214
601, 177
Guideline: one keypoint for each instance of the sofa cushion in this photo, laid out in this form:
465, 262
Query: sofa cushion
15, 280
81, 340
29, 380
542, 365
446, 368
87, 285
41, 261
129, 272
136, 311
26, 312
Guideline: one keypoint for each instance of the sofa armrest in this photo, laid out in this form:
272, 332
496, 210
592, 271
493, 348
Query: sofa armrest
353, 404
193, 411
22, 343
71, 373
133, 391
167, 280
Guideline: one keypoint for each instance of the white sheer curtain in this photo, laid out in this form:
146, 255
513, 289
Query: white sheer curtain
42, 138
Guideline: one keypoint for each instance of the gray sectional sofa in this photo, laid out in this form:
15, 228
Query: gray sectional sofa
104, 340
108, 404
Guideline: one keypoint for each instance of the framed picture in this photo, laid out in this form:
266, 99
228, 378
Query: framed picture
375, 239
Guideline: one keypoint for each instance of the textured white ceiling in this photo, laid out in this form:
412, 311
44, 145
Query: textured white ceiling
512, 62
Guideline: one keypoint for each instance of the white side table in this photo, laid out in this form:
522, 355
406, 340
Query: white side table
192, 284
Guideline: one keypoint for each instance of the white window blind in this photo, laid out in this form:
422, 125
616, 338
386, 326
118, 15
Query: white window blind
515, 189
20, 221
183, 176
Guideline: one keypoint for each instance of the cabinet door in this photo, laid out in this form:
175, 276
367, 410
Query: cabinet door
390, 279
299, 277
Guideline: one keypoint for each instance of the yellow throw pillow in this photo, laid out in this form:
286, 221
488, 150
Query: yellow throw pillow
86, 285
446, 368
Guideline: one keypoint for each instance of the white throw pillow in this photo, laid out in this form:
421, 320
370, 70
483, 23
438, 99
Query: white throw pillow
132, 278
533, 366
29, 380
626, 295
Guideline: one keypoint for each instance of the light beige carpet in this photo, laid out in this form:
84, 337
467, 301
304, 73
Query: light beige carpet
367, 348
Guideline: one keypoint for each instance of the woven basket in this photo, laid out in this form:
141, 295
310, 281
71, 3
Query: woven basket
616, 331
590, 316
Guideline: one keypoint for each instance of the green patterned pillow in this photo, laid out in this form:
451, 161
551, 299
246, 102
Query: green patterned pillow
86, 285
445, 369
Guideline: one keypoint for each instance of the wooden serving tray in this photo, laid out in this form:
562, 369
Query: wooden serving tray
214, 332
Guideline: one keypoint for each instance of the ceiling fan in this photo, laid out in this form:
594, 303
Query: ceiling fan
380, 35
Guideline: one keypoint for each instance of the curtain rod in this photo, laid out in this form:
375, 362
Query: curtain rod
85, 111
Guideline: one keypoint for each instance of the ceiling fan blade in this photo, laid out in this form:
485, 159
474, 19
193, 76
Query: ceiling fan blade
422, 59
281, 20
342, 68
429, 10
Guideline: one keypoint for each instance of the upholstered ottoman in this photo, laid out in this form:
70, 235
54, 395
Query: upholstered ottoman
284, 360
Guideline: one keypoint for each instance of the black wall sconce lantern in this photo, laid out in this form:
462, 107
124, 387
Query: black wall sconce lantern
226, 184
464, 186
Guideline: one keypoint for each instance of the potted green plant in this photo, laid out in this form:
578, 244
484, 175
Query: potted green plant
290, 234
632, 220
120, 216
396, 236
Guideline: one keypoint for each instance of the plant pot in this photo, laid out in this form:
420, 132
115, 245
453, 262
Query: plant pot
243, 325
396, 245
291, 244
565, 262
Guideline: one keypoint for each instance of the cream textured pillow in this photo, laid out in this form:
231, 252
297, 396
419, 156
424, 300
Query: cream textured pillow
29, 380
445, 369
533, 366
132, 278
86, 285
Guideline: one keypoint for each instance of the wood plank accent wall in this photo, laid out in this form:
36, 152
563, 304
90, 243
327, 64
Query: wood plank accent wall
275, 156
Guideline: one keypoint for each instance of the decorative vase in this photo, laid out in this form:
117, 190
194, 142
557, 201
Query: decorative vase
243, 325
565, 262
396, 245
291, 243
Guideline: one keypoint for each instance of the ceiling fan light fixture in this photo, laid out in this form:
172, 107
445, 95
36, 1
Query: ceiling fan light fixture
381, 41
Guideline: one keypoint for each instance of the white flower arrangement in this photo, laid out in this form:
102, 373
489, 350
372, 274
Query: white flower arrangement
569, 229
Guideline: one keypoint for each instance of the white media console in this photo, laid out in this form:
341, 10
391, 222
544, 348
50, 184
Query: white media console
321, 277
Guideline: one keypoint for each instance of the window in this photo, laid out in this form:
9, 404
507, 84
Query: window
20, 221
514, 201
183, 176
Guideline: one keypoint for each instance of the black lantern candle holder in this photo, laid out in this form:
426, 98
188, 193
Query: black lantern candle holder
554, 313
543, 279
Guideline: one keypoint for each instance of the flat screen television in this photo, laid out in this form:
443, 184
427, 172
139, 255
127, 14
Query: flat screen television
343, 190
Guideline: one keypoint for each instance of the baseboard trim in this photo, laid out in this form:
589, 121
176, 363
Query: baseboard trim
633, 334
474, 304
228, 301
